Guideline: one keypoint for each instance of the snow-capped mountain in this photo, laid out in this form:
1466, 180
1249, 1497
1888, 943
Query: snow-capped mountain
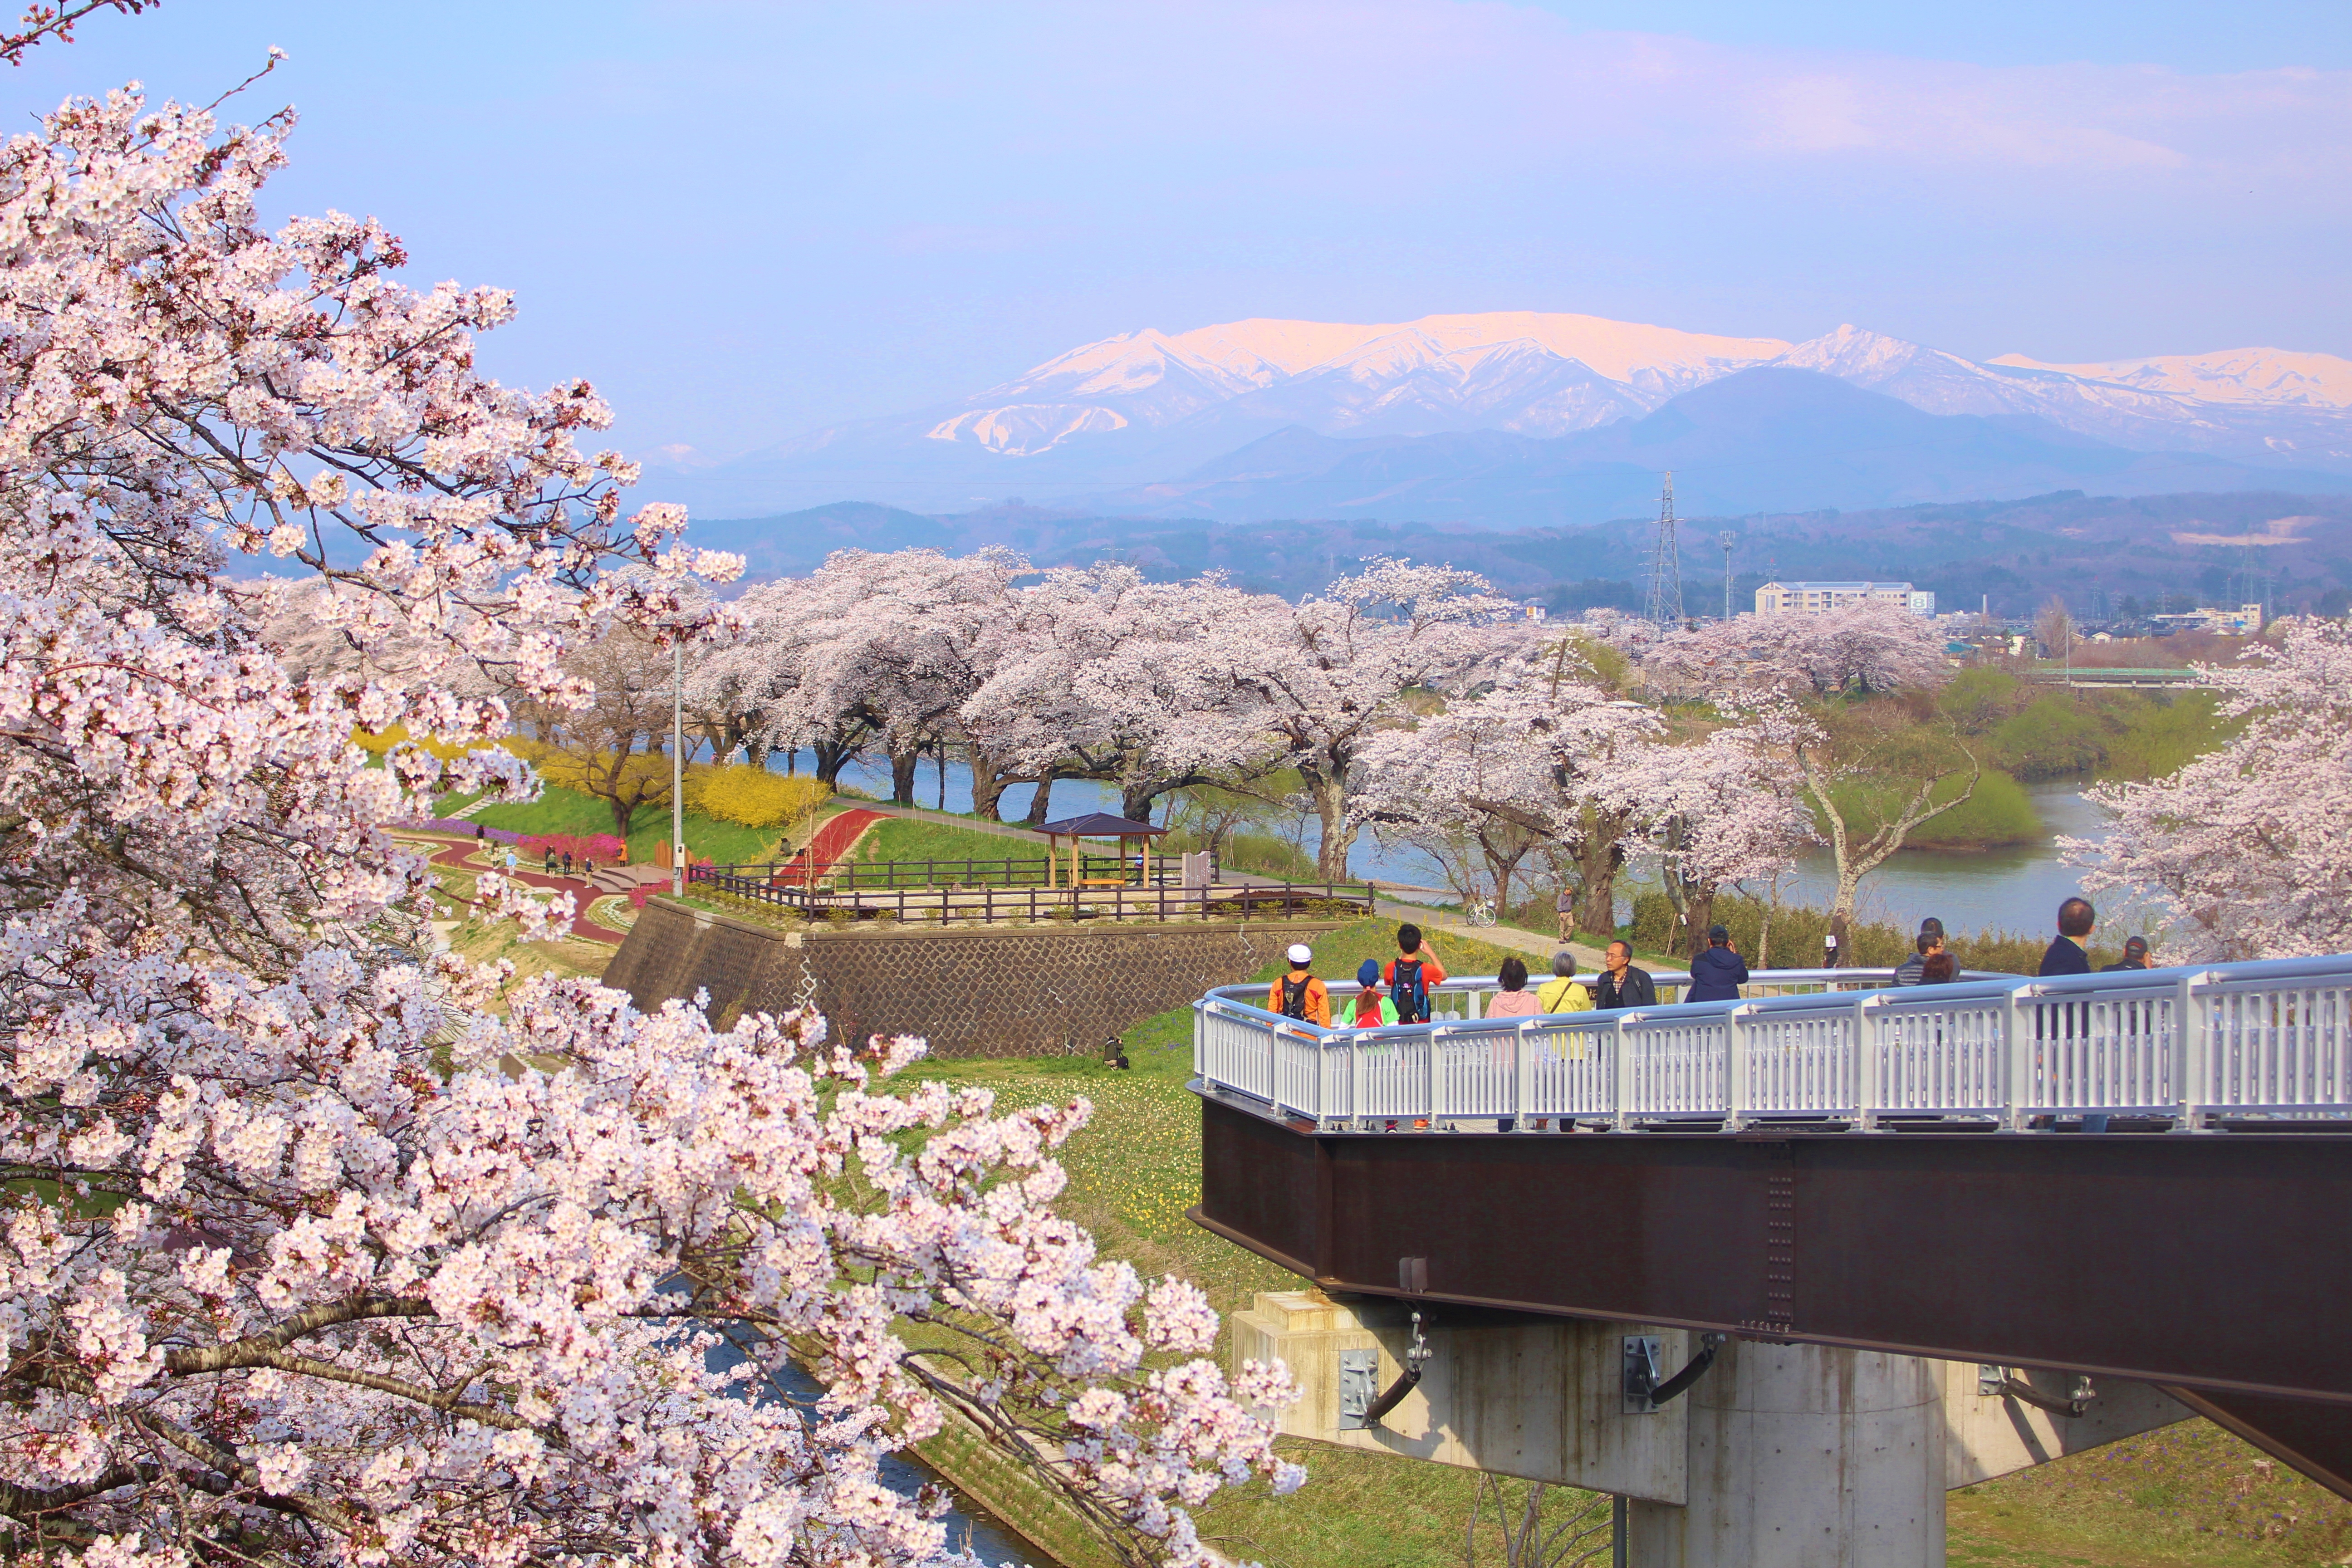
1147, 407
1542, 375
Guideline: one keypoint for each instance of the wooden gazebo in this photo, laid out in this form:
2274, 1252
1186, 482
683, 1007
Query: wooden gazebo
1095, 824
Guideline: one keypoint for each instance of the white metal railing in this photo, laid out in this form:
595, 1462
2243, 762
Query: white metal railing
2255, 1040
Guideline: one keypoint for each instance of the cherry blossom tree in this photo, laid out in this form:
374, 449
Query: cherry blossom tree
1865, 648
2249, 849
1542, 759
318, 1246
1332, 672
1728, 808
1100, 674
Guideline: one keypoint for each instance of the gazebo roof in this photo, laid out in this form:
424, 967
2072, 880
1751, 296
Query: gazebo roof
1100, 825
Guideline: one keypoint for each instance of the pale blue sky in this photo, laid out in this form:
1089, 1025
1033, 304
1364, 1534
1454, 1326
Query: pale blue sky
742, 220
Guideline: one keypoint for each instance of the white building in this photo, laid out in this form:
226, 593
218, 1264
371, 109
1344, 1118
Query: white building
2245, 621
1817, 598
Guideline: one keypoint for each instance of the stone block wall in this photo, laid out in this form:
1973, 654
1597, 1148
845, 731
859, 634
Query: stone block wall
995, 992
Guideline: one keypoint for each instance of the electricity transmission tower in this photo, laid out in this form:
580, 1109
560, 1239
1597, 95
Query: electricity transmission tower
1727, 539
1666, 566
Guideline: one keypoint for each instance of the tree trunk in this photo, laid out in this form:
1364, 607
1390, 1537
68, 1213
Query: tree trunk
830, 760
1041, 804
1330, 797
902, 775
1701, 914
988, 784
1599, 859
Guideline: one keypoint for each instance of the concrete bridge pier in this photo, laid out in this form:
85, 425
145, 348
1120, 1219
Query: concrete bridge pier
1804, 1457
1778, 1456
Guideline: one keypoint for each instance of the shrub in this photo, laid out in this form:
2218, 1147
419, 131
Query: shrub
376, 743
753, 798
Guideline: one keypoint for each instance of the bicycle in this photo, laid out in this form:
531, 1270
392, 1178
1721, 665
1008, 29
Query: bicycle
1481, 912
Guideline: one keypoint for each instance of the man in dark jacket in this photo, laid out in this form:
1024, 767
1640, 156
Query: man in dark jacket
1717, 973
1912, 970
2135, 956
2066, 954
1622, 985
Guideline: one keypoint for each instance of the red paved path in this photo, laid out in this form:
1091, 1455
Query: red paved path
455, 852
832, 843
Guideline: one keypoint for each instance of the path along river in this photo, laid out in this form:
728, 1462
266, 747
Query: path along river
2016, 889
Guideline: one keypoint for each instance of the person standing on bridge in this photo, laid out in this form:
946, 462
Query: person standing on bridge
1717, 973
1298, 995
1563, 992
1912, 970
1412, 976
2067, 953
1622, 985
1514, 1000
1373, 1007
2135, 956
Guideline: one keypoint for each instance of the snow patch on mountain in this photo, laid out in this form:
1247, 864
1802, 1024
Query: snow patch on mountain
2231, 375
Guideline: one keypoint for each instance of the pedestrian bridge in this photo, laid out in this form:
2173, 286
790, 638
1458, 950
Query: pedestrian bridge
2139, 1176
2232, 1046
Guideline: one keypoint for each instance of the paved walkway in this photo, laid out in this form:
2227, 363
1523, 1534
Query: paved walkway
457, 853
831, 844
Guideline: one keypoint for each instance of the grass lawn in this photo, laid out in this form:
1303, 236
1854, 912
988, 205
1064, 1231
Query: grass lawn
905, 838
561, 810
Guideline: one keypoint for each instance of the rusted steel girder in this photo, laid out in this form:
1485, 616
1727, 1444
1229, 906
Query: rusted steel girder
2215, 1264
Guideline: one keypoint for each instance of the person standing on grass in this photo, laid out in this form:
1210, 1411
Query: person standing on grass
2067, 953
1717, 973
1563, 992
1931, 941
1622, 985
1514, 1000
1413, 976
1298, 993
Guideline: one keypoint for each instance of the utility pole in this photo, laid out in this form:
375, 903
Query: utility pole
677, 768
1665, 607
1727, 539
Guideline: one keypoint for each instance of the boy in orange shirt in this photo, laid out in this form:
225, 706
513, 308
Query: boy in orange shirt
1298, 995
1412, 976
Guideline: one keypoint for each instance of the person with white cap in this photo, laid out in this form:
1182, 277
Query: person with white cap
1298, 995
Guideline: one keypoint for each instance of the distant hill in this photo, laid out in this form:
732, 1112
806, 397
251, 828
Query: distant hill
2016, 553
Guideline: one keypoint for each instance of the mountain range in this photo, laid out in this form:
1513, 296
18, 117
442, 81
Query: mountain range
1523, 418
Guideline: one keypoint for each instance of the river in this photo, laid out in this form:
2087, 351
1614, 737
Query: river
2016, 889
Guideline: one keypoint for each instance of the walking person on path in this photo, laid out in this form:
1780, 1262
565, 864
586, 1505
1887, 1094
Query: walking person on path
1622, 985
1565, 904
1717, 973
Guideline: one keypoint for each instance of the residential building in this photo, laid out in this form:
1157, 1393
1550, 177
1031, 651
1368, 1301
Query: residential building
1818, 598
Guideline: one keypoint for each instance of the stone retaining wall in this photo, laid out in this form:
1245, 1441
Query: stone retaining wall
980, 993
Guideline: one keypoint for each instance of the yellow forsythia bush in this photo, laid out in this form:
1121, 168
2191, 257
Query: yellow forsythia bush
376, 743
751, 796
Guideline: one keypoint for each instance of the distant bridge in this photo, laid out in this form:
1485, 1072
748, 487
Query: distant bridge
2101, 676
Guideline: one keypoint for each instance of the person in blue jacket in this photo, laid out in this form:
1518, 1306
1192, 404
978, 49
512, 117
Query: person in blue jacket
1717, 973
2067, 953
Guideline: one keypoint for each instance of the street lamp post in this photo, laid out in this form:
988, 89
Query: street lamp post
1727, 539
677, 768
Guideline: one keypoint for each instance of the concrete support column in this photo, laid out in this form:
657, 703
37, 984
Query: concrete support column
1805, 1456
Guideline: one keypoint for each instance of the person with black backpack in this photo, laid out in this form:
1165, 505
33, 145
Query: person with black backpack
1298, 995
1412, 976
